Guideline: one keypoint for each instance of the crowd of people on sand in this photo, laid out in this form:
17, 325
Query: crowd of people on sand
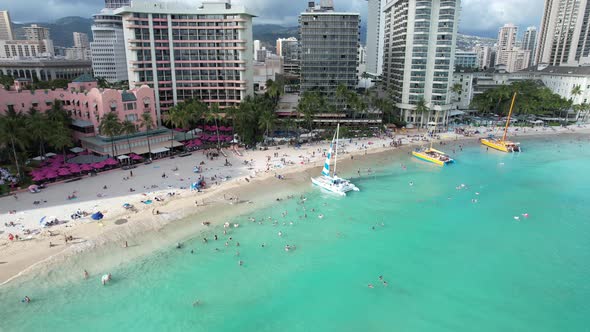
317, 152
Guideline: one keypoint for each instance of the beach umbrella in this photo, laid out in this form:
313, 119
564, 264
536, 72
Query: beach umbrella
86, 167
97, 216
63, 172
110, 162
228, 138
230, 128
136, 157
98, 165
46, 220
207, 128
197, 142
50, 175
39, 177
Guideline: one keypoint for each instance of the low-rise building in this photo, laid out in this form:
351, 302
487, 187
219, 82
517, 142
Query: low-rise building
559, 79
87, 104
45, 69
464, 59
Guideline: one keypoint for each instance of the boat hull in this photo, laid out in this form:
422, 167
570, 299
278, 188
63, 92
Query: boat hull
423, 156
499, 145
339, 189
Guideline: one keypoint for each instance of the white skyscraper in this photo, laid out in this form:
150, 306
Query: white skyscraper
529, 43
108, 47
375, 34
6, 32
81, 40
506, 42
564, 35
420, 38
256, 49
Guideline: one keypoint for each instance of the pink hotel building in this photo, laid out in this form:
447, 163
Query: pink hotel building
87, 104
203, 52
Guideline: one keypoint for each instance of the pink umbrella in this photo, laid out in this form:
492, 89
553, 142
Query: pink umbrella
213, 128
136, 157
50, 175
110, 162
197, 142
39, 177
63, 172
230, 128
228, 138
222, 128
207, 128
98, 165
86, 167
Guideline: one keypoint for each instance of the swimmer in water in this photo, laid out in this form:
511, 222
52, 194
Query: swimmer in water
26, 300
280, 233
240, 263
196, 303
411, 183
85, 274
370, 286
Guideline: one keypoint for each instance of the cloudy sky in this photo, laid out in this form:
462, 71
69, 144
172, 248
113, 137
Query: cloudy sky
479, 17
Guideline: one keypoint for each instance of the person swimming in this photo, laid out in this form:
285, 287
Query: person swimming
26, 299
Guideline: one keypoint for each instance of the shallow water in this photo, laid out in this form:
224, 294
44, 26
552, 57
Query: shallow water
451, 263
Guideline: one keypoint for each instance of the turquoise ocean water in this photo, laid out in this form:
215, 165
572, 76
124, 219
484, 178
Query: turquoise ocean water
454, 260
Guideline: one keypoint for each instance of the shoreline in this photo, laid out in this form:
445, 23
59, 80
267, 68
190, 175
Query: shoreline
25, 257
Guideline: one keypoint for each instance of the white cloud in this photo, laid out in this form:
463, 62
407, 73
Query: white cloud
477, 16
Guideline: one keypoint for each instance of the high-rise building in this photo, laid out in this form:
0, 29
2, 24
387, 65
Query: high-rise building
39, 34
81, 40
6, 32
329, 44
375, 33
420, 38
108, 47
256, 49
288, 48
529, 43
187, 51
564, 35
506, 42
484, 56
114, 4
464, 59
36, 33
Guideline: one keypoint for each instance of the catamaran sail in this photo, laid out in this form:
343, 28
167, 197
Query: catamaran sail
332, 182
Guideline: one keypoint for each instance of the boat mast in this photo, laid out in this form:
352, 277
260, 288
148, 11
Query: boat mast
336, 148
434, 130
508, 120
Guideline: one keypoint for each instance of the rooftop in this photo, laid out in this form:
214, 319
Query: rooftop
128, 96
84, 79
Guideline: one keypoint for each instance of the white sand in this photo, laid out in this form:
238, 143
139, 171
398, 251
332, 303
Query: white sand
16, 256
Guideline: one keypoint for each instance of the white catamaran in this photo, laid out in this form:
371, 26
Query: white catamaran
333, 183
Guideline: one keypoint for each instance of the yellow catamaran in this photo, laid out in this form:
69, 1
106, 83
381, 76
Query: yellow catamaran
432, 155
503, 144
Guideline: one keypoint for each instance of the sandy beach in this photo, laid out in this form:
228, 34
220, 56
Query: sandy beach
248, 183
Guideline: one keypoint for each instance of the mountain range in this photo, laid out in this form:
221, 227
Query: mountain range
61, 32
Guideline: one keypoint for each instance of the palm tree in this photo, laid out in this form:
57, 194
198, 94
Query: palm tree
273, 89
39, 128
111, 127
128, 128
177, 117
309, 104
147, 122
13, 132
60, 139
267, 121
576, 91
421, 108
58, 114
456, 89
212, 115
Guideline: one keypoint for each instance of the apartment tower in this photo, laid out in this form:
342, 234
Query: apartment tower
6, 32
375, 34
187, 51
564, 35
529, 43
109, 60
329, 42
420, 39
